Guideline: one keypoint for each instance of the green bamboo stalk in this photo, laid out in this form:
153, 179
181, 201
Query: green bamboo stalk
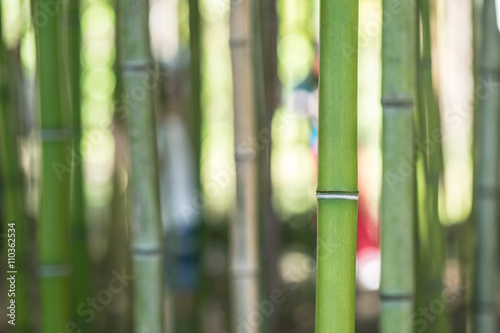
398, 188
432, 266
192, 309
56, 136
195, 47
268, 39
485, 208
118, 256
80, 254
138, 77
244, 229
469, 239
337, 167
14, 211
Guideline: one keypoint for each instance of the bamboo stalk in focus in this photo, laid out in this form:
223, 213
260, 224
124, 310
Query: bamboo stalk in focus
337, 191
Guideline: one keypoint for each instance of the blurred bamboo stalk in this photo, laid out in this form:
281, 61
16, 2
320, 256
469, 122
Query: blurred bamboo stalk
485, 207
81, 264
139, 83
244, 228
14, 213
432, 242
337, 167
56, 137
119, 252
195, 47
266, 98
119, 312
398, 190
192, 303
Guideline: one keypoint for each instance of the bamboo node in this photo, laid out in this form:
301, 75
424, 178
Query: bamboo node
398, 103
56, 270
490, 75
238, 42
485, 191
338, 195
56, 134
142, 251
248, 271
137, 66
396, 297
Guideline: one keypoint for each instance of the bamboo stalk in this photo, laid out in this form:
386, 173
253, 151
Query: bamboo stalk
398, 198
266, 86
190, 304
118, 256
139, 84
80, 254
432, 266
14, 213
485, 208
244, 243
195, 47
56, 136
337, 167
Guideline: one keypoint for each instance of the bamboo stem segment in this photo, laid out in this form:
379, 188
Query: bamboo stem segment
486, 182
78, 215
398, 190
139, 81
244, 246
431, 266
337, 167
13, 212
56, 136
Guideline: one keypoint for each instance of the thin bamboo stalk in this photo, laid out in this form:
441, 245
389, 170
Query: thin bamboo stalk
195, 47
268, 39
398, 188
14, 213
468, 246
56, 136
266, 86
138, 77
80, 254
118, 256
337, 167
486, 182
244, 243
432, 266
191, 308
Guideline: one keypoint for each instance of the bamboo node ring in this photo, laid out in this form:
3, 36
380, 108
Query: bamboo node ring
56, 134
338, 195
238, 42
147, 251
55, 270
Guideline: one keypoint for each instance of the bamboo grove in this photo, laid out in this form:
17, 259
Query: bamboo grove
249, 166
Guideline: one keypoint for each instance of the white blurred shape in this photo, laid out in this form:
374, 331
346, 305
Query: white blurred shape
368, 271
296, 267
164, 29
